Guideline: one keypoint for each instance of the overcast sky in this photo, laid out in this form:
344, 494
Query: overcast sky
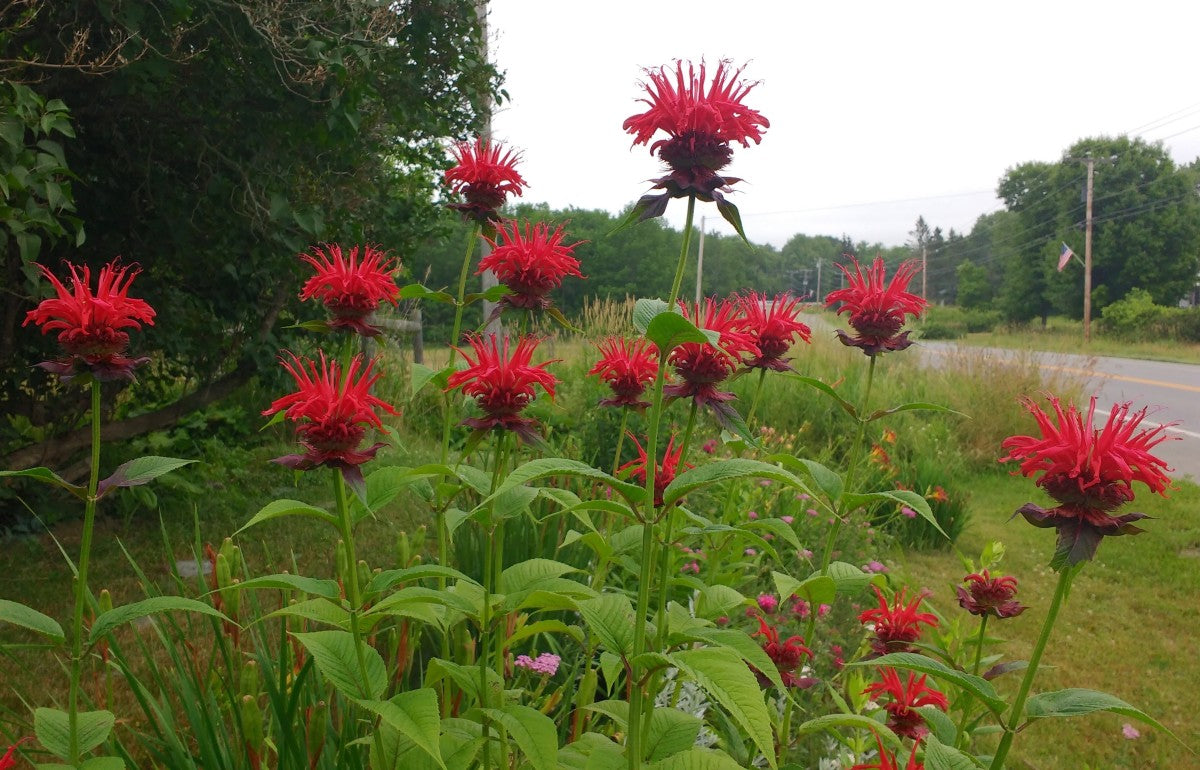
879, 111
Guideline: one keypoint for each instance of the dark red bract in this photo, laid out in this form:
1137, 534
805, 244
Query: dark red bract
627, 368
877, 308
887, 760
1089, 471
91, 325
350, 286
897, 624
530, 262
786, 654
906, 698
332, 410
664, 473
775, 327
485, 175
702, 366
503, 381
987, 595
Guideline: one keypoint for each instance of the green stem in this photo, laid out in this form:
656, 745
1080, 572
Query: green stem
968, 699
491, 572
81, 576
637, 700
669, 534
354, 593
979, 644
758, 389
620, 440
1018, 707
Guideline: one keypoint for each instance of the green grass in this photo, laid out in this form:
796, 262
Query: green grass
1128, 627
1064, 336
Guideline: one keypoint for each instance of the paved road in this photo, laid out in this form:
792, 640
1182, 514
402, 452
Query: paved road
1172, 391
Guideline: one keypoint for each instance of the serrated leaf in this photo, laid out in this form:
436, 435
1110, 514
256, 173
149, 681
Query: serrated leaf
53, 730
668, 330
722, 470
26, 617
826, 480
555, 466
320, 611
47, 476
393, 577
726, 678
746, 648
849, 579
610, 618
417, 291
939, 756
940, 724
832, 722
645, 310
493, 294
337, 659
909, 661
904, 497
415, 715
103, 763
423, 375
776, 527
278, 509
916, 406
816, 589
1076, 701
671, 731
410, 595
812, 382
697, 759
154, 605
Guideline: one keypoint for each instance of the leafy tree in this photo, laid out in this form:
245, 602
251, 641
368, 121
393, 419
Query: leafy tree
219, 138
974, 286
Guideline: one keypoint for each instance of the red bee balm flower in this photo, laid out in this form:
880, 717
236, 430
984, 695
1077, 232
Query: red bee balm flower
502, 382
987, 595
774, 326
332, 412
664, 474
887, 760
90, 325
351, 288
530, 263
877, 311
9, 760
700, 121
897, 625
786, 655
627, 367
1089, 471
907, 697
486, 175
702, 365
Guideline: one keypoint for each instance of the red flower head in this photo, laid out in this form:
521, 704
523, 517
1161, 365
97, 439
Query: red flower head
627, 367
664, 473
774, 326
702, 365
530, 263
486, 175
888, 761
987, 595
502, 381
1089, 471
897, 625
90, 325
351, 288
786, 655
332, 411
877, 311
700, 121
9, 759
907, 697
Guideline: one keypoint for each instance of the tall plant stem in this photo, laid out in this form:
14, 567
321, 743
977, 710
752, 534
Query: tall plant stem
81, 576
354, 591
1018, 707
637, 700
620, 439
979, 644
851, 474
968, 700
758, 389
490, 572
668, 536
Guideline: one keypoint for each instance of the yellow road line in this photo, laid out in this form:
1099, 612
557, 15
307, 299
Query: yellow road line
1123, 378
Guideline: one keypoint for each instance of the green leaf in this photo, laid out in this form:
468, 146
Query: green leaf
397, 602
316, 326
777, 527
47, 476
53, 730
466, 678
321, 611
832, 722
1076, 701
555, 466
493, 294
423, 375
531, 573
277, 509
545, 627
669, 329
316, 586
337, 660
939, 756
904, 497
26, 617
533, 731
722, 470
140, 470
909, 661
155, 604
697, 759
815, 589
103, 763
610, 617
415, 715
849, 579
939, 723
916, 406
826, 480
417, 291
730, 213
645, 310
727, 679
812, 382
392, 577
747, 649
671, 731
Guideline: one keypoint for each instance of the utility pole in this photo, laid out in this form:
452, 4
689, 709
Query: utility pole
1087, 256
700, 263
924, 270
818, 296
